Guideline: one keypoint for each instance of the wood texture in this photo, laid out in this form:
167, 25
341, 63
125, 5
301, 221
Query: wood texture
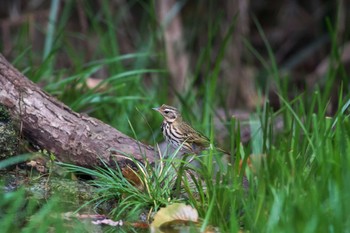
51, 125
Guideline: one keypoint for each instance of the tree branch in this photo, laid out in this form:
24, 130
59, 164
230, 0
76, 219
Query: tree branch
51, 125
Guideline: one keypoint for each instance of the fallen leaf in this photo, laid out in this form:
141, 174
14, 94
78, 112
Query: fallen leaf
132, 177
174, 218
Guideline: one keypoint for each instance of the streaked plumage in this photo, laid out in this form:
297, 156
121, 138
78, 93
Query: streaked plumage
179, 133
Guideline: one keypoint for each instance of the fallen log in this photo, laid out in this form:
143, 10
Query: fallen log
51, 125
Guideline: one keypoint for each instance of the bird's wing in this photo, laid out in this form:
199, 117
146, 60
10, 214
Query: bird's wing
193, 136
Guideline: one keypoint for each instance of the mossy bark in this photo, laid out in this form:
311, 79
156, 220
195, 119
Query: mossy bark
8, 135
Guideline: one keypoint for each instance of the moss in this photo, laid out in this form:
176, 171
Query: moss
8, 135
72, 193
4, 115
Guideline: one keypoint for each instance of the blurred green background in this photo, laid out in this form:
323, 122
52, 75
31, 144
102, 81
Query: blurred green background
277, 69
201, 56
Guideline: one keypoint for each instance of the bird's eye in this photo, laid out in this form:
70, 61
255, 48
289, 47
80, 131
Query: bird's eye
166, 111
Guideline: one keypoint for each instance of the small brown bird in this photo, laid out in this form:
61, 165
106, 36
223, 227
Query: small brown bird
178, 133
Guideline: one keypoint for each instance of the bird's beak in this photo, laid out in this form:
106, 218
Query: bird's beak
156, 109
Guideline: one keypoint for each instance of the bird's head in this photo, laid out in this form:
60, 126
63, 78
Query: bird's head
169, 113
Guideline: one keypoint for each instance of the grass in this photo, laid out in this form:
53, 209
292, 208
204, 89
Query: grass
141, 189
298, 186
300, 174
18, 213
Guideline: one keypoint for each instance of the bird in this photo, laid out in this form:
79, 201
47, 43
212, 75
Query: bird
179, 134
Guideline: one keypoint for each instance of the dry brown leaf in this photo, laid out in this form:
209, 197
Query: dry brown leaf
132, 177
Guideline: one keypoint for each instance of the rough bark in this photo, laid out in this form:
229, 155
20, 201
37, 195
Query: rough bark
51, 125
177, 57
241, 82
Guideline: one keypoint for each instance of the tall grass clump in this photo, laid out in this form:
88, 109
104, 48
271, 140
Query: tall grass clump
139, 187
301, 183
